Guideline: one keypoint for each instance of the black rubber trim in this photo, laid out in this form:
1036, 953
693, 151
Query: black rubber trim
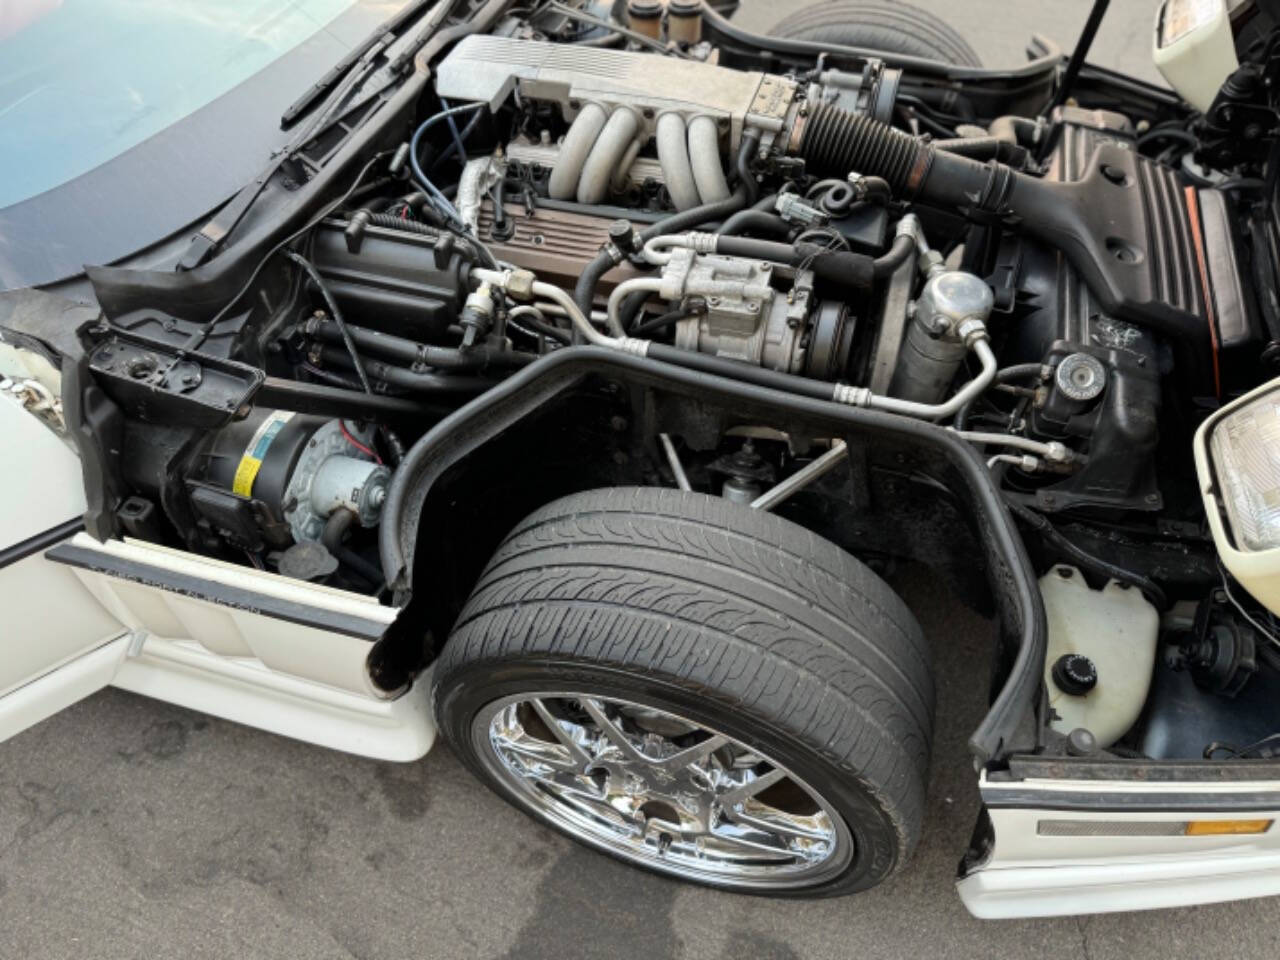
236, 598
1010, 575
1139, 770
1120, 802
42, 540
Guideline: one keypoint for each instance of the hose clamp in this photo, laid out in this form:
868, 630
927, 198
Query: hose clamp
701, 241
633, 346
851, 396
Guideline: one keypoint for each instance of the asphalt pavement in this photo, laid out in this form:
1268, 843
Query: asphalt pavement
130, 828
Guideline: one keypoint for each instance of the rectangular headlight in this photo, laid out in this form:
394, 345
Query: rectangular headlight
1245, 447
1237, 454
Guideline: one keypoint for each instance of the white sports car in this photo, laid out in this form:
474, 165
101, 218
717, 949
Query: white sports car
563, 376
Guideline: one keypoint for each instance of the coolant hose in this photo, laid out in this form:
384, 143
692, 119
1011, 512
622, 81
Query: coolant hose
563, 183
606, 156
1005, 375
839, 266
335, 529
406, 379
885, 264
985, 148
759, 220
413, 353
704, 155
673, 156
1084, 558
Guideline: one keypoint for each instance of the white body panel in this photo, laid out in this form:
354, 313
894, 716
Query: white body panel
1028, 874
49, 617
182, 614
239, 643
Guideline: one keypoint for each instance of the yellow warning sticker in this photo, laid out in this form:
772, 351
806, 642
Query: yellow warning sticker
256, 451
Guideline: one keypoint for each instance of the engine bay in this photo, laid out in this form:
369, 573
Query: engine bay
1068, 284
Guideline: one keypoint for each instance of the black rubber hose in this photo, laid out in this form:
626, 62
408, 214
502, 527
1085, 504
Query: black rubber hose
903, 247
411, 352
985, 148
631, 308
1005, 375
873, 189
558, 334
395, 445
335, 529
662, 322
392, 222
362, 566
1019, 130
1097, 565
343, 335
499, 195
410, 379
757, 220
742, 163
389, 221
745, 372
755, 249
838, 266
584, 291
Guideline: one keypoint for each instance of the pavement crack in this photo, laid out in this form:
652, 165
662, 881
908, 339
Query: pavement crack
1082, 925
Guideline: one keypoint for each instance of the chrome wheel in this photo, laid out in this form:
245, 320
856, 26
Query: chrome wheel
653, 787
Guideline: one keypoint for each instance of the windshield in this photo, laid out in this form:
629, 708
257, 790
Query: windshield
82, 81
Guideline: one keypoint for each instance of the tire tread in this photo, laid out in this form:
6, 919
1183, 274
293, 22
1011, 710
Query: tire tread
739, 606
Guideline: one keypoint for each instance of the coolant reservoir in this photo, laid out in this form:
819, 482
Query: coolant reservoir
1102, 650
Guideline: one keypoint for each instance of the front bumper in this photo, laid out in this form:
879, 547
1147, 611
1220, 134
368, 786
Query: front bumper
1071, 847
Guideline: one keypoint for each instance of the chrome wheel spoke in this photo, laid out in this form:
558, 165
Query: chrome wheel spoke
752, 786
539, 751
757, 846
612, 731
591, 804
691, 755
782, 824
555, 725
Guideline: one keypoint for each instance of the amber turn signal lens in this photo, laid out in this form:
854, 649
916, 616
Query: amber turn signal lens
1216, 828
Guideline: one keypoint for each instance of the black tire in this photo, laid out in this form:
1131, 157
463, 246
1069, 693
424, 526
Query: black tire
728, 616
891, 27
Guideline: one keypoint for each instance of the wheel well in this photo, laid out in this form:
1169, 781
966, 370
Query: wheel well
890, 504
539, 417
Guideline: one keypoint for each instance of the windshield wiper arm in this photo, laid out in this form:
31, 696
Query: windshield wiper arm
380, 39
